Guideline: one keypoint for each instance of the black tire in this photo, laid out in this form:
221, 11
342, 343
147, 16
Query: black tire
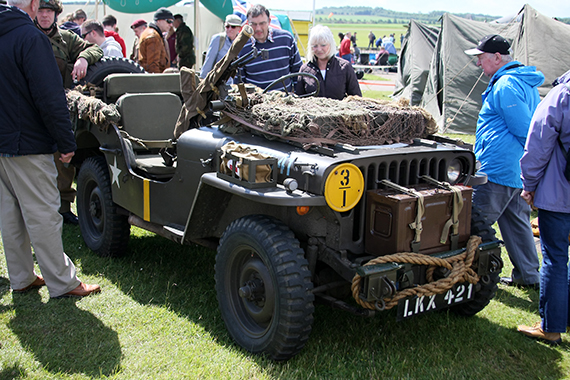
104, 230
260, 253
97, 72
487, 285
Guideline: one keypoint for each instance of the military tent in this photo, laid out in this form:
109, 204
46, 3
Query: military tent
454, 83
415, 57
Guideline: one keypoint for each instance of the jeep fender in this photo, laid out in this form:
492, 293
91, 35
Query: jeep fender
207, 216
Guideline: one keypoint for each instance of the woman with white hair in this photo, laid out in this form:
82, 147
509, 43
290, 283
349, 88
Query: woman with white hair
336, 75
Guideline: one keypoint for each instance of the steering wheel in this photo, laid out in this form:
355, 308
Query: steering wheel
292, 75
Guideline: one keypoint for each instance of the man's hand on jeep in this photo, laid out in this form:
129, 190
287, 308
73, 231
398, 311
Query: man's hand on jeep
79, 69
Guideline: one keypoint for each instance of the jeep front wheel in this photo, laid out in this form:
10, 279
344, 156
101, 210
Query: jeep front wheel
104, 230
264, 287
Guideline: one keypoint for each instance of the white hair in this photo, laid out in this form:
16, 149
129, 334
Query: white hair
320, 34
506, 58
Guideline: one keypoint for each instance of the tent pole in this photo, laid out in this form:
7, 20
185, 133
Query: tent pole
197, 34
313, 20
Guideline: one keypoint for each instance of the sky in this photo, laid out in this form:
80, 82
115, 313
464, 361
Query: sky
550, 8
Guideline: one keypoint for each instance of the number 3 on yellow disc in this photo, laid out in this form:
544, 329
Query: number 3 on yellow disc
344, 187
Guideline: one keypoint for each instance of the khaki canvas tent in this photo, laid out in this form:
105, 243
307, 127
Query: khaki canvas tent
415, 57
454, 83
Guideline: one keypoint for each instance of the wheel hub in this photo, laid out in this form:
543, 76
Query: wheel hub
255, 293
253, 290
94, 208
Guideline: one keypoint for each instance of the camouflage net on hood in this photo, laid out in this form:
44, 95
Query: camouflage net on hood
315, 121
92, 109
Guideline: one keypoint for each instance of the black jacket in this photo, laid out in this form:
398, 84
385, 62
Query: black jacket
34, 118
340, 80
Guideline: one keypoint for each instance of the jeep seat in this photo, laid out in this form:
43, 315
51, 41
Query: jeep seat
116, 85
149, 117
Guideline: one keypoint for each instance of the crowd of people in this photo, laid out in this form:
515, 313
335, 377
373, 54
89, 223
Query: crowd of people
521, 143
165, 42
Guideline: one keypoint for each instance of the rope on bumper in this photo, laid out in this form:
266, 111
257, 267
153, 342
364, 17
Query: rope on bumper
459, 265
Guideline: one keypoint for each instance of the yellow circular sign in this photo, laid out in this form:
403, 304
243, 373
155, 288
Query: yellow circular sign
344, 187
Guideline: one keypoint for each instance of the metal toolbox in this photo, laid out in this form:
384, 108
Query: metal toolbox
390, 215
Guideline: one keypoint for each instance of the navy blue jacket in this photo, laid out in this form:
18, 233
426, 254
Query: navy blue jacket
34, 118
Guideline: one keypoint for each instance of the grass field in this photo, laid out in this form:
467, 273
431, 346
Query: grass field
157, 318
362, 30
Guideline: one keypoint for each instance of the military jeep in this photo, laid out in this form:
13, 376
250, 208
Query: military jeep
360, 228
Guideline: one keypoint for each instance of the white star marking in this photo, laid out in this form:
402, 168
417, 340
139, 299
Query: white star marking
116, 172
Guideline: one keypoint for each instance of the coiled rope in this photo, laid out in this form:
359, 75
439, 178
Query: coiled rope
459, 265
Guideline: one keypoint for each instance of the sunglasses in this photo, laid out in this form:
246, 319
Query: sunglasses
86, 34
231, 26
169, 21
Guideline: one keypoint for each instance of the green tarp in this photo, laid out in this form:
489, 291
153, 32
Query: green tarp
220, 8
415, 56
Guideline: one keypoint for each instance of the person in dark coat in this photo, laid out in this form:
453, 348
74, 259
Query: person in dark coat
35, 123
336, 76
184, 43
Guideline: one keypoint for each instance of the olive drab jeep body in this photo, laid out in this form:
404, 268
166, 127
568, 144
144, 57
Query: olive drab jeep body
361, 228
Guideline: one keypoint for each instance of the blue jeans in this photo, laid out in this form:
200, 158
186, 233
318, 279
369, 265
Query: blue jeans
504, 205
554, 276
348, 57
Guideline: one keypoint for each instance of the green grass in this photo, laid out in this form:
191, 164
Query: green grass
363, 29
381, 95
157, 318
368, 76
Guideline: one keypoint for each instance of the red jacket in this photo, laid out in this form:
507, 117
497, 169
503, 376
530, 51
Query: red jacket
344, 47
119, 39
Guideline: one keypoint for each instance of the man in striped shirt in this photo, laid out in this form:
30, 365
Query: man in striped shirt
283, 57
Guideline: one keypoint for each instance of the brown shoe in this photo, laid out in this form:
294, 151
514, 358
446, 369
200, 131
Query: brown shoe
38, 283
82, 290
536, 332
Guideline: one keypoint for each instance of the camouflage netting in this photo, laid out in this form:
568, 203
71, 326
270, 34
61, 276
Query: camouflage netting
315, 121
92, 109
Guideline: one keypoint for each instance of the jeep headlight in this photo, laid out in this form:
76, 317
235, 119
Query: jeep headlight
454, 170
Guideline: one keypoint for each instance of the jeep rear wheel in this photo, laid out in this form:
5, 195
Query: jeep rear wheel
104, 230
264, 287
487, 285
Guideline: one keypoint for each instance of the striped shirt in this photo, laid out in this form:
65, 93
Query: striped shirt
283, 59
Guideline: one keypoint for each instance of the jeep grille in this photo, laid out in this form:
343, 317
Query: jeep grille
404, 170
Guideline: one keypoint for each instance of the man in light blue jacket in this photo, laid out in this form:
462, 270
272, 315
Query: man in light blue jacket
508, 104
546, 187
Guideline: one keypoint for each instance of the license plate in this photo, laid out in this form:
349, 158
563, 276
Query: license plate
412, 306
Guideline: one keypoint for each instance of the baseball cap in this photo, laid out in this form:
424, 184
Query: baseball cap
492, 43
233, 20
163, 14
137, 23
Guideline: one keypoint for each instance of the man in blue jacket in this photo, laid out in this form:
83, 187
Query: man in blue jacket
546, 187
35, 123
508, 104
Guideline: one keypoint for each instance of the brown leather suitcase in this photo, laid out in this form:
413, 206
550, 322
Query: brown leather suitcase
390, 213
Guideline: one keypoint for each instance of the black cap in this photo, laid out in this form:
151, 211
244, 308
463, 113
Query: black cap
492, 43
163, 14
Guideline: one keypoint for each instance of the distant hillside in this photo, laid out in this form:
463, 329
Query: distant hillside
368, 15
